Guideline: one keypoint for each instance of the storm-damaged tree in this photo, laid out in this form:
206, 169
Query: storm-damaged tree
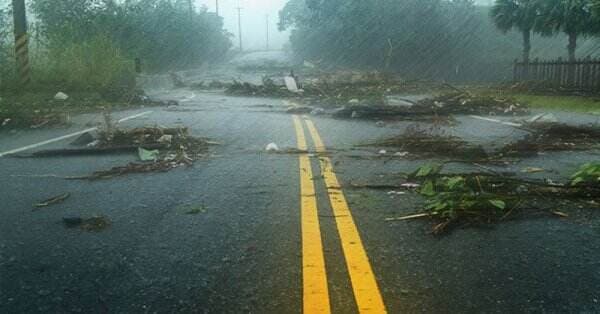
572, 17
521, 15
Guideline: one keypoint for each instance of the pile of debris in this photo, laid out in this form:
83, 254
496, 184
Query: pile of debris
267, 89
433, 141
485, 197
158, 149
550, 136
466, 103
444, 105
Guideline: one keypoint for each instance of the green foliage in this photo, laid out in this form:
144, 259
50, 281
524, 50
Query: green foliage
428, 170
91, 64
163, 33
588, 174
453, 197
6, 46
85, 44
568, 16
519, 14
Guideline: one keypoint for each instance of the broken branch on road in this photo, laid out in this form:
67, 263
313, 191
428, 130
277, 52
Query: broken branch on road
53, 200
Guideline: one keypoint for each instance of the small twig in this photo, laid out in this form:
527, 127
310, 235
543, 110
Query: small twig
415, 216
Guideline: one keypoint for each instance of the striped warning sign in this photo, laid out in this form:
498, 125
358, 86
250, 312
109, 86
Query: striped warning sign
22, 54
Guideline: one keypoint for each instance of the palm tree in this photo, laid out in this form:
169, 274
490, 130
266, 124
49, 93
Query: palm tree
517, 14
572, 17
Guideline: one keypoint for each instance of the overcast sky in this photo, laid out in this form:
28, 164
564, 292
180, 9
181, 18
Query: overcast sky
254, 21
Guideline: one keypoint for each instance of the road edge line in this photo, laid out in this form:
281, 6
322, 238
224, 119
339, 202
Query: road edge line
64, 137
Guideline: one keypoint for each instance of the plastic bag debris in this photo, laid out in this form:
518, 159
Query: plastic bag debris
272, 147
147, 155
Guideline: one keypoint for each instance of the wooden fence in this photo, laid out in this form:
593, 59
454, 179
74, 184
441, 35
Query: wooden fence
583, 74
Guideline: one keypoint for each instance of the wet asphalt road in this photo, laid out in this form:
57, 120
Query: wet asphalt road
242, 252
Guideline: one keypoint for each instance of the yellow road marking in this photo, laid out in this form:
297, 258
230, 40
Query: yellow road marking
366, 292
314, 276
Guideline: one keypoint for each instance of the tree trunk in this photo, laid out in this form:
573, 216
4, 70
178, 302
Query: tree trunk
526, 46
526, 52
571, 67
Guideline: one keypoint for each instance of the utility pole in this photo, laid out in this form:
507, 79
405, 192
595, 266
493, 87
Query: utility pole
267, 32
240, 26
217, 7
21, 41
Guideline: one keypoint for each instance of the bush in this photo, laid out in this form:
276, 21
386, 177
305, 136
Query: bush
93, 64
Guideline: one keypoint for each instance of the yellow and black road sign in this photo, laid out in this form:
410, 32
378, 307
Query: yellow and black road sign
21, 41
22, 54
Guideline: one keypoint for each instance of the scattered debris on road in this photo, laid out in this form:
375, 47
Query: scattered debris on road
92, 224
159, 149
272, 147
431, 141
544, 137
53, 200
489, 197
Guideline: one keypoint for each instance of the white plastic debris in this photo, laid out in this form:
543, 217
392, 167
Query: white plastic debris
396, 193
353, 101
382, 152
165, 139
401, 154
398, 102
93, 144
61, 96
410, 185
6, 121
291, 85
272, 147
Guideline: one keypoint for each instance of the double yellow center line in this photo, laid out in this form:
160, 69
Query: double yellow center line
316, 296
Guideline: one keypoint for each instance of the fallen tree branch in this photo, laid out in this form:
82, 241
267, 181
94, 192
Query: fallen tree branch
93, 150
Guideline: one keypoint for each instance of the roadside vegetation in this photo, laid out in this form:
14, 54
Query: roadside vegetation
91, 45
88, 48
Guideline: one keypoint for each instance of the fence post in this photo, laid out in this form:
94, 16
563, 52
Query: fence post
535, 69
